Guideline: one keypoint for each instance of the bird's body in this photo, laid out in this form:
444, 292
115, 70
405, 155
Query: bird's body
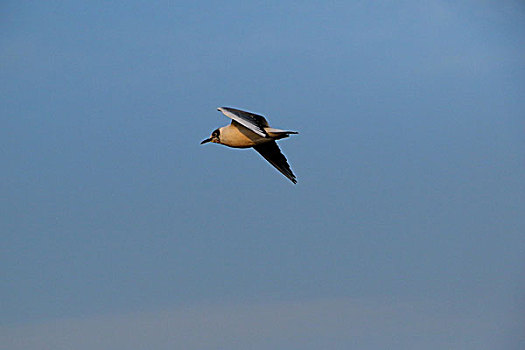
238, 136
251, 130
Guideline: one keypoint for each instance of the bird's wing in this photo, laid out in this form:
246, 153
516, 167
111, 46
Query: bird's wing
254, 122
271, 152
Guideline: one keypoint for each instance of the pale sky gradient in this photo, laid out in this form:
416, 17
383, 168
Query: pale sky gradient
405, 231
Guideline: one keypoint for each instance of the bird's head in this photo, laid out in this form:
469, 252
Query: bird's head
215, 137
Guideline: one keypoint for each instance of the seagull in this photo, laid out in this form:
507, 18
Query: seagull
252, 130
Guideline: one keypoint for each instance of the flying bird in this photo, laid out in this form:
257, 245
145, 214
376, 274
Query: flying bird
252, 130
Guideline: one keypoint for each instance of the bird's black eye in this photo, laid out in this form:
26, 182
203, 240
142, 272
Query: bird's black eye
215, 133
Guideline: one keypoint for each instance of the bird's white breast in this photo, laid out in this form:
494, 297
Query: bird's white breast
239, 136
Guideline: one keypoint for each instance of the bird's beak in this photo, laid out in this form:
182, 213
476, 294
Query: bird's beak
205, 141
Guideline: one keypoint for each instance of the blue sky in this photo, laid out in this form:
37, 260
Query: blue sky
120, 231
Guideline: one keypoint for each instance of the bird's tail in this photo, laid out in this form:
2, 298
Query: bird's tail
279, 134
